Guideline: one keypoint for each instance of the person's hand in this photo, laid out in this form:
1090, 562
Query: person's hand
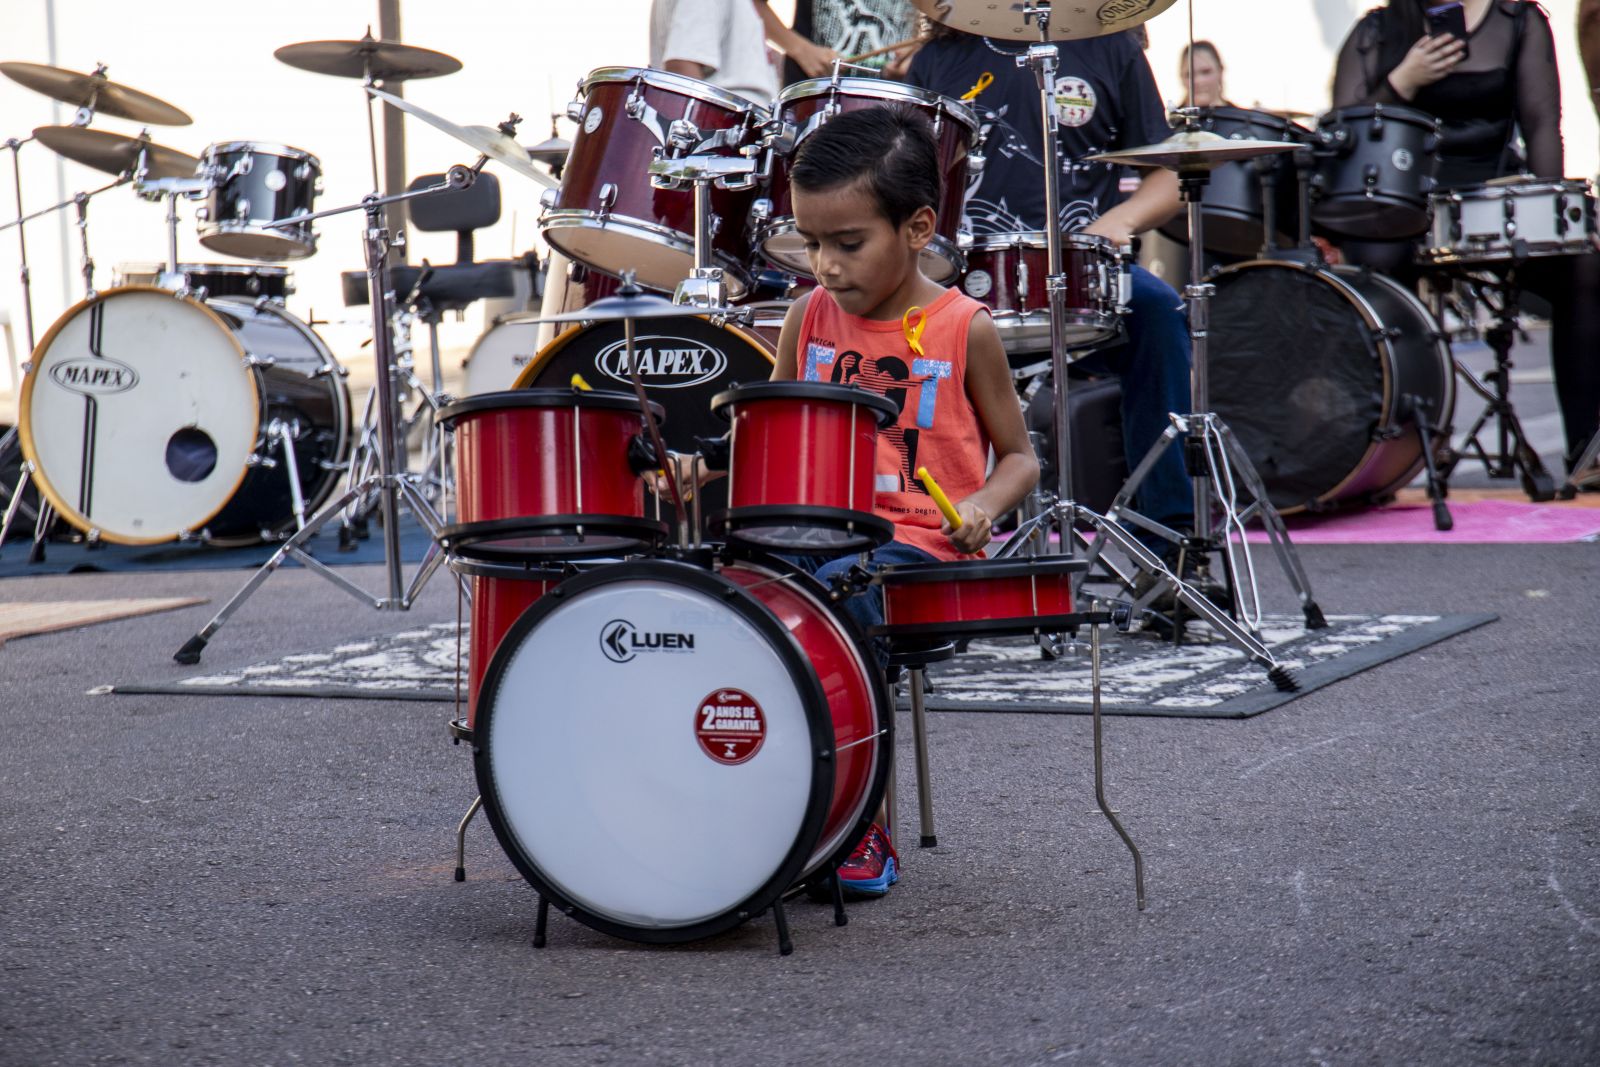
975, 529
899, 64
813, 58
690, 477
1112, 228
1429, 60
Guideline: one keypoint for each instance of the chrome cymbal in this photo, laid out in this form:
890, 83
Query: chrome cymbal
553, 151
96, 91
487, 140
1192, 150
385, 61
642, 306
1005, 21
115, 152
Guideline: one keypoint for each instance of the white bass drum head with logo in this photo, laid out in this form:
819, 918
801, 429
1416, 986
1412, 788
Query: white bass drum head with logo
499, 355
140, 415
646, 748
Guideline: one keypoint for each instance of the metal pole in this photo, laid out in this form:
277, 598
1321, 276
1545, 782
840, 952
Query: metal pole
1198, 295
394, 131
22, 242
383, 343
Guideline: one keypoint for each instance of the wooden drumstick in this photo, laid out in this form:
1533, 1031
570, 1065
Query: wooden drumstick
947, 509
907, 43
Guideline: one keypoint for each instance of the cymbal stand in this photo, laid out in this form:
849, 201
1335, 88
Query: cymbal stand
1586, 472
23, 275
1060, 513
389, 483
1217, 466
705, 286
1513, 456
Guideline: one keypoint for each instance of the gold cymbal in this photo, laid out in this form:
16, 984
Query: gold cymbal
115, 152
97, 91
1192, 150
487, 140
1005, 21
385, 61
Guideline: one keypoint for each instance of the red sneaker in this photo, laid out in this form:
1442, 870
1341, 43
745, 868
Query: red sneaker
873, 867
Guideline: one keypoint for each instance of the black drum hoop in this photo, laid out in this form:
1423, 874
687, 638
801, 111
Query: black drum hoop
869, 530
475, 540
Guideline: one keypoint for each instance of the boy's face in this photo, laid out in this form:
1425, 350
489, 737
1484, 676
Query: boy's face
855, 253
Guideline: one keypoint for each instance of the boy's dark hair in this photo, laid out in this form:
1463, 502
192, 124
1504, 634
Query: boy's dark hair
891, 148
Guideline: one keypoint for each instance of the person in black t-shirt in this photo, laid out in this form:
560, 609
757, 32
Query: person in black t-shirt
1105, 99
825, 30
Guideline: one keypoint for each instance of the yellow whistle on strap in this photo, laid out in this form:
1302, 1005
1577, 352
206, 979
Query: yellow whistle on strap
984, 81
913, 330
579, 383
947, 509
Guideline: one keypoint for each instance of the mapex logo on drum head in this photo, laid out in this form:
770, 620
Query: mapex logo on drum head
622, 641
664, 362
94, 376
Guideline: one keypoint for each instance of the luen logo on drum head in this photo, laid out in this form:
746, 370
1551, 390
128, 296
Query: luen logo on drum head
664, 362
94, 376
621, 641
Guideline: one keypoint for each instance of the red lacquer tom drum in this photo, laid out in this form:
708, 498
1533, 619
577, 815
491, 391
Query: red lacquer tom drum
545, 473
1008, 271
501, 592
800, 468
979, 597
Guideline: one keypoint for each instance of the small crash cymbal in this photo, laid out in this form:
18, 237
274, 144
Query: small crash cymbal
1192, 150
1005, 21
487, 140
385, 61
642, 306
96, 91
115, 152
551, 152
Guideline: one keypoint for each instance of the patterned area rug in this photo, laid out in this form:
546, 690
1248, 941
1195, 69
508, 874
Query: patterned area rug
1142, 675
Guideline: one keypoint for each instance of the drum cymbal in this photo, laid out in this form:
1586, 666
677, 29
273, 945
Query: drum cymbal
1067, 21
616, 308
106, 96
387, 61
1193, 150
115, 152
487, 140
553, 151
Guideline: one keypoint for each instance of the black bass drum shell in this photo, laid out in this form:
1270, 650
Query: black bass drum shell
1315, 371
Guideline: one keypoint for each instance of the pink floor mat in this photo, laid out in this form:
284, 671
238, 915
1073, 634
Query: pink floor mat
1476, 522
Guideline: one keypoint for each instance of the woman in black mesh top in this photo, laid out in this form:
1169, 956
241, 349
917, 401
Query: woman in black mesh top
1498, 97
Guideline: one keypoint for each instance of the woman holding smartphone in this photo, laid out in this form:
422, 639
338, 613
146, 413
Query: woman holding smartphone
1487, 70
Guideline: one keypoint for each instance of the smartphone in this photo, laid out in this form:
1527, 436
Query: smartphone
1452, 19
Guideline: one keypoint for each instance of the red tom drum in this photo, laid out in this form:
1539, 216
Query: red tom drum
501, 592
800, 468
805, 105
1007, 271
545, 473
978, 598
608, 215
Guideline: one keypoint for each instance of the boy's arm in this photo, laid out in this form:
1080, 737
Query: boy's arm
787, 366
1016, 469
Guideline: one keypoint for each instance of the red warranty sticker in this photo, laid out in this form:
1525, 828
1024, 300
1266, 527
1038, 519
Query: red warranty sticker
730, 726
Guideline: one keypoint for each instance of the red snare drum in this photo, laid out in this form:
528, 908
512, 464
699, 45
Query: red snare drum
1007, 271
978, 597
800, 472
608, 215
545, 472
723, 736
805, 105
501, 592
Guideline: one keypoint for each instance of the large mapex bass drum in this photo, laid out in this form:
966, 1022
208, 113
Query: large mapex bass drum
1322, 374
664, 751
150, 416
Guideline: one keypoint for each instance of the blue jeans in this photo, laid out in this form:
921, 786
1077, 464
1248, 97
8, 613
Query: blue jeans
866, 607
1153, 364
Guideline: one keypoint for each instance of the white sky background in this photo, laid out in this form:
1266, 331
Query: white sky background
519, 56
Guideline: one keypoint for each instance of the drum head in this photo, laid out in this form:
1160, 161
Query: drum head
683, 363
650, 749
499, 356
140, 415
659, 257
1295, 374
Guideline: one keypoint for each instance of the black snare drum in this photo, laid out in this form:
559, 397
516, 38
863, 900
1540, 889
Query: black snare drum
1377, 171
253, 184
247, 281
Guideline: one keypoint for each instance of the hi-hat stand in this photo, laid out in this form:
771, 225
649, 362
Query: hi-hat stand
389, 483
1061, 513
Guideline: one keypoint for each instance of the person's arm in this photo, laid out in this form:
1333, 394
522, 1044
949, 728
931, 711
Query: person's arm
693, 45
1357, 80
689, 70
1016, 470
1538, 96
813, 58
1589, 46
1142, 120
1154, 202
786, 368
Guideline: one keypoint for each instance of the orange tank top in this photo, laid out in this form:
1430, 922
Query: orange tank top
938, 427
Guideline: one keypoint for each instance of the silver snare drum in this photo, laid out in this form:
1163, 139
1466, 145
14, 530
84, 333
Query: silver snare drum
1511, 220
